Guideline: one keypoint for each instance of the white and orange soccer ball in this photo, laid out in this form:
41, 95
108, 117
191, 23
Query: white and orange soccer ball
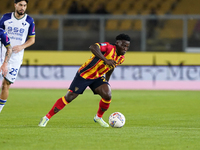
116, 120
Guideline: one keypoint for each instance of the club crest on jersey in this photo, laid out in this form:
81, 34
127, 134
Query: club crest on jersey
23, 24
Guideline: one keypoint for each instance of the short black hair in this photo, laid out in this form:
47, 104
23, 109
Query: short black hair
123, 37
17, 1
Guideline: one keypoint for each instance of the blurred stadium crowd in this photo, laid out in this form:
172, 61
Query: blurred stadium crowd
112, 6
172, 29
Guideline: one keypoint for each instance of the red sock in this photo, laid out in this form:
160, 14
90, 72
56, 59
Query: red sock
103, 106
60, 104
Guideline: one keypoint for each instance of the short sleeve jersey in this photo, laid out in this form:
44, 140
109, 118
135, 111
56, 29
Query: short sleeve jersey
95, 67
18, 30
4, 38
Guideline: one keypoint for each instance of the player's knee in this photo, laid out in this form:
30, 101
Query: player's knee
107, 96
70, 96
5, 85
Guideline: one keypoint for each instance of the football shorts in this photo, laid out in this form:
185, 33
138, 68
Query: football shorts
13, 69
79, 84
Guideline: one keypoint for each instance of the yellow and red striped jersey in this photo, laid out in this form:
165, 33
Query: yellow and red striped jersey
95, 67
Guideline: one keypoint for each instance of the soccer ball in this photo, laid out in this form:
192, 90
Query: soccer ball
116, 120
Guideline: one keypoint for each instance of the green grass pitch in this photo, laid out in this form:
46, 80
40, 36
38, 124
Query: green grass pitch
155, 120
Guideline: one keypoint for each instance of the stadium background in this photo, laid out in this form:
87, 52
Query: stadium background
172, 27
155, 120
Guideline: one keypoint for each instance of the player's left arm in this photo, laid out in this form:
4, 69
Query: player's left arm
108, 74
28, 43
31, 38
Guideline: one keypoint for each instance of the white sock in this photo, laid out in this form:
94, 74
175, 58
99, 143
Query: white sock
46, 118
96, 117
2, 104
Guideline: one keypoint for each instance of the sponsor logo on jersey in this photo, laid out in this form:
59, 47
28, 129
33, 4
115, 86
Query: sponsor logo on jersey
103, 44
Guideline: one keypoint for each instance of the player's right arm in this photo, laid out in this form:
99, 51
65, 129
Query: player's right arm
97, 52
4, 67
6, 42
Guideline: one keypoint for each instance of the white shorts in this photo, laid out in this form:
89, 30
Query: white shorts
13, 69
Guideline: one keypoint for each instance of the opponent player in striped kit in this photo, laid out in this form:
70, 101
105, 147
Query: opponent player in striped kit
21, 31
105, 58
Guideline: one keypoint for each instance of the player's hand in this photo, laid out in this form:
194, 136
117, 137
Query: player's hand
111, 63
17, 48
4, 69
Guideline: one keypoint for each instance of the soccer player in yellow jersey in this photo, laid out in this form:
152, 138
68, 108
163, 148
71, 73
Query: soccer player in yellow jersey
105, 58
